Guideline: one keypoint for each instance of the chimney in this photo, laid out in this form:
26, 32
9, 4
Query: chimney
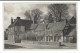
33, 20
14, 20
18, 18
58, 19
11, 20
66, 21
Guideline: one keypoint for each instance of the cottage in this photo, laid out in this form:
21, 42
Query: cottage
70, 31
17, 29
53, 33
21, 29
6, 34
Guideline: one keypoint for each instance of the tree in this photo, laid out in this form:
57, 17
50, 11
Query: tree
28, 15
50, 18
59, 10
36, 14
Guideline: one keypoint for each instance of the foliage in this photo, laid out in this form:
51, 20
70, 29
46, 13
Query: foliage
59, 10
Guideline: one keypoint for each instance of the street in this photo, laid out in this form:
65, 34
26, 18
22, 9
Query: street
24, 45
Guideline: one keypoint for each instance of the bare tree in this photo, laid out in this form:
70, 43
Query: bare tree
50, 18
28, 15
36, 14
59, 10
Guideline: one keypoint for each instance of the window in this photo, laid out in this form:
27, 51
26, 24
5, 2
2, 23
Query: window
22, 28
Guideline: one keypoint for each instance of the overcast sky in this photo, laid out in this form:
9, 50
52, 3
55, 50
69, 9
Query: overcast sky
14, 10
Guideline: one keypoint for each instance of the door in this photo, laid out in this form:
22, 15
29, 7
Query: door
17, 39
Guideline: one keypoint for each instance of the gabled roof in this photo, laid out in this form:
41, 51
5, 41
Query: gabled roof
57, 26
70, 31
41, 27
20, 22
73, 20
33, 26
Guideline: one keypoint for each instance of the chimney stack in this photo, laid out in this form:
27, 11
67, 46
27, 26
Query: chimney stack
33, 20
14, 20
18, 17
11, 20
66, 21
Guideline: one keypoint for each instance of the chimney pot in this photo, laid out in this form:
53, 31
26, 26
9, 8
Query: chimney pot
18, 17
66, 21
11, 20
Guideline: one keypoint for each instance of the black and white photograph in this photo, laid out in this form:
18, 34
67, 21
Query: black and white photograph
40, 26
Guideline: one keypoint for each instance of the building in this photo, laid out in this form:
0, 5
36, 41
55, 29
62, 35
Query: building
55, 31
70, 31
17, 29
6, 34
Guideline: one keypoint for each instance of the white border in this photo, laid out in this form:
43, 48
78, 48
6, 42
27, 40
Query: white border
39, 50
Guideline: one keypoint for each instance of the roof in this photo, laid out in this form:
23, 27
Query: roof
20, 22
41, 27
33, 26
57, 26
38, 26
71, 31
73, 20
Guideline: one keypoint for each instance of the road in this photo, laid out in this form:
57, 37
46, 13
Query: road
9, 45
39, 0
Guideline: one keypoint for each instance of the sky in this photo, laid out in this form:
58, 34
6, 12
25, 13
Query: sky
15, 9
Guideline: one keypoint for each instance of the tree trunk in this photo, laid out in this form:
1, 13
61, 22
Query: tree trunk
60, 17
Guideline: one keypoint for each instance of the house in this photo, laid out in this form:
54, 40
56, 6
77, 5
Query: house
70, 31
17, 29
56, 31
6, 34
